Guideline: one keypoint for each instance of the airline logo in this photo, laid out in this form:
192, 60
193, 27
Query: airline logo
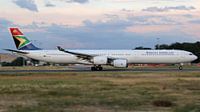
19, 38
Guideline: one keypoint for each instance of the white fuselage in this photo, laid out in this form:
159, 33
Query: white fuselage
132, 56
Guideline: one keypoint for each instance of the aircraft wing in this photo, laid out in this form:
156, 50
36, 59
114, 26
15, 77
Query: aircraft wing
16, 51
83, 56
79, 55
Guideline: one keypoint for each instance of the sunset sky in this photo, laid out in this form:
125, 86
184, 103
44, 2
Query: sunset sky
100, 24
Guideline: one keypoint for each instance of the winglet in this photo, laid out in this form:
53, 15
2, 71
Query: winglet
80, 55
60, 48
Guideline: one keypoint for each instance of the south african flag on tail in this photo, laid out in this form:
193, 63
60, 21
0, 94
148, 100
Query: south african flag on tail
21, 42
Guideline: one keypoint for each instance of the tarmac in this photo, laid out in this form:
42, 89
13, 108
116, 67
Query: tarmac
87, 69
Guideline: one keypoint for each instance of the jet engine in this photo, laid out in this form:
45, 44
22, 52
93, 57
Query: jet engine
100, 60
121, 63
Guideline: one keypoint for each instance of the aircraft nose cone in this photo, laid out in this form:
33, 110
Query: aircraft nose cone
195, 57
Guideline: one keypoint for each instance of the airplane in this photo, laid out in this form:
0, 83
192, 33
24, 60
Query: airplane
97, 58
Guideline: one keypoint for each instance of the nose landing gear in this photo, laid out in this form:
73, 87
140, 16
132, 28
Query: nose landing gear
181, 66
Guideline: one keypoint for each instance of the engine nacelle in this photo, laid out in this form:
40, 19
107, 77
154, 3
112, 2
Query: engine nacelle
100, 60
121, 63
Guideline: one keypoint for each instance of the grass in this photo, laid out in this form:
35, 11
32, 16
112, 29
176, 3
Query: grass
100, 92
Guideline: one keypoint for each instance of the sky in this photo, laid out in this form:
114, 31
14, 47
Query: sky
100, 24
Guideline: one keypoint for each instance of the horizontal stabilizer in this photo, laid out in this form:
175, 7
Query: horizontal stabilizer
16, 51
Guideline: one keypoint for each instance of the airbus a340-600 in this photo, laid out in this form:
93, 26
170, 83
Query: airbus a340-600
97, 58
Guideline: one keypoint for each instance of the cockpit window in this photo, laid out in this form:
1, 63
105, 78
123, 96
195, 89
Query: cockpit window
190, 54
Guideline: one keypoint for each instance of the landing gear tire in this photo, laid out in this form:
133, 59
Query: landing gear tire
100, 68
93, 68
180, 67
96, 68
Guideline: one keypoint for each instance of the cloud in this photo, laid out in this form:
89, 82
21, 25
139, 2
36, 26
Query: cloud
188, 15
142, 29
113, 32
192, 30
126, 10
197, 21
27, 4
152, 20
79, 1
107, 26
92, 35
5, 23
5, 37
74, 1
49, 4
111, 16
165, 9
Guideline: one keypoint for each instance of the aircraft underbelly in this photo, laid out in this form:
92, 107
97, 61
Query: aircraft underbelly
55, 59
155, 60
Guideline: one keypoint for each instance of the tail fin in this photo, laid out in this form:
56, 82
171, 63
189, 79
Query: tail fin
21, 42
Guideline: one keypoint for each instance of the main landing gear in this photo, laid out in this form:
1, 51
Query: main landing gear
97, 68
